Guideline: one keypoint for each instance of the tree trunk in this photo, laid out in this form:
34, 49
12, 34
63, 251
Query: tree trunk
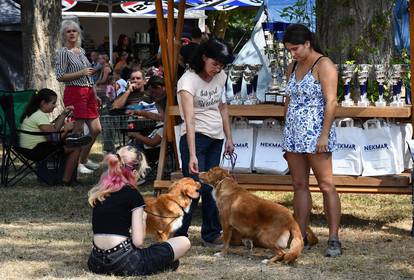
217, 23
359, 30
40, 37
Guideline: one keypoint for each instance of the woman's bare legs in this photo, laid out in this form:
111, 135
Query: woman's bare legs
302, 200
72, 159
180, 245
321, 164
95, 128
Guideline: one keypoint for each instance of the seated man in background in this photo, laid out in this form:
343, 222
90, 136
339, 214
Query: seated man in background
134, 93
157, 94
151, 144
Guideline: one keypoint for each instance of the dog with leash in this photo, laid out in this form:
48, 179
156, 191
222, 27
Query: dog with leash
165, 212
264, 222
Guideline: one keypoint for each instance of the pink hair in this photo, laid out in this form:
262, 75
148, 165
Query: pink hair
117, 176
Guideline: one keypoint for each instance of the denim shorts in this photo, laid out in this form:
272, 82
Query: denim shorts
127, 260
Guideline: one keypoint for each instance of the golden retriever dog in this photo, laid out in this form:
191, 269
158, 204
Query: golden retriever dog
165, 212
264, 222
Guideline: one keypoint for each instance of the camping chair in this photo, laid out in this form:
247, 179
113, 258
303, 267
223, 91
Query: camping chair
13, 154
20, 100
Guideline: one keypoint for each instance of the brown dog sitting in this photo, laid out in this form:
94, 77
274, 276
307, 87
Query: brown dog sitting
267, 223
165, 213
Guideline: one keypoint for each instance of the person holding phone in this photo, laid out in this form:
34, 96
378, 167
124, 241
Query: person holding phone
74, 69
134, 93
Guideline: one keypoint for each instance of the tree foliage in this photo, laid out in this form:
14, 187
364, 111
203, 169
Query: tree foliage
233, 25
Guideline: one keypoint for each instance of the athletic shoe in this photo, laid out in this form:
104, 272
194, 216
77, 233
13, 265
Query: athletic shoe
77, 140
334, 249
82, 169
216, 243
91, 164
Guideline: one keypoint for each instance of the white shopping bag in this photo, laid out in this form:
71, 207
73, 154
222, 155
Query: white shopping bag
407, 133
243, 141
268, 156
346, 159
399, 145
378, 151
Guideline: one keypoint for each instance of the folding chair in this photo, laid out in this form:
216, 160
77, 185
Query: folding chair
15, 158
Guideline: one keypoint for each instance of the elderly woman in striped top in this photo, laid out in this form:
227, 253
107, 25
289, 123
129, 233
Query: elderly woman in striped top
74, 69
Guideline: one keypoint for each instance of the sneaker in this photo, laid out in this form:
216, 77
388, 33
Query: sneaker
334, 249
91, 164
82, 169
216, 243
77, 140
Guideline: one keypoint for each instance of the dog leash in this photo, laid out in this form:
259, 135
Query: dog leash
232, 158
167, 217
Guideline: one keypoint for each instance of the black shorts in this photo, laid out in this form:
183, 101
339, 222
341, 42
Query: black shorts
127, 260
43, 149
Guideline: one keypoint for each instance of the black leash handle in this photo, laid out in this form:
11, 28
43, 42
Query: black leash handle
232, 157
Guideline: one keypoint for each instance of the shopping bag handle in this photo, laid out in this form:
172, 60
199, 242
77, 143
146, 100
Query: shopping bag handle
349, 122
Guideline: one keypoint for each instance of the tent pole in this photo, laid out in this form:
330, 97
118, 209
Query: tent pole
170, 37
168, 86
110, 33
178, 32
411, 14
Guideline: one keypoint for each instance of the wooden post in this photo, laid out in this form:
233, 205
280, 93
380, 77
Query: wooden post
169, 61
411, 13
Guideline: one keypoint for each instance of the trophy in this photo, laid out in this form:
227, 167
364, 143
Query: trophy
380, 78
362, 76
268, 28
397, 71
346, 75
251, 78
235, 76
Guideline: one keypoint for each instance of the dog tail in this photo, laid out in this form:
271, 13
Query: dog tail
296, 245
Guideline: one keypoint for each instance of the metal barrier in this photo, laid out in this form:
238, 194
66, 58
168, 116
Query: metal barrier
114, 128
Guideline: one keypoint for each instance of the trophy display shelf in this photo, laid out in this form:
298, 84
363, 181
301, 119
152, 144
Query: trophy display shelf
269, 110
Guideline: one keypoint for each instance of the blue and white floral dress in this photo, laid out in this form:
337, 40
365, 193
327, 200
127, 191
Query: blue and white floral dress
305, 115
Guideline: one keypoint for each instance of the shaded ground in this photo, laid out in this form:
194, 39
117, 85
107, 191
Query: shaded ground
45, 233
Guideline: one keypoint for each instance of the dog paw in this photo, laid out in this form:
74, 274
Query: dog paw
265, 261
219, 255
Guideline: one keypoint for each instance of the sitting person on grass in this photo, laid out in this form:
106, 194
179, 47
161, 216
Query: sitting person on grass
119, 222
35, 119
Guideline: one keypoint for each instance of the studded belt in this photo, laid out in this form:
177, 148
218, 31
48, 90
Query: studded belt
118, 247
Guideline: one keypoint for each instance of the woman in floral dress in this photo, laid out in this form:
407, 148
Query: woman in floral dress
309, 132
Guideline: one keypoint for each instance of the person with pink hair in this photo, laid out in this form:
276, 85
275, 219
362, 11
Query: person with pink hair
119, 222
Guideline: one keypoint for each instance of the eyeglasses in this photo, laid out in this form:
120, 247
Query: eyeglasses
133, 166
71, 31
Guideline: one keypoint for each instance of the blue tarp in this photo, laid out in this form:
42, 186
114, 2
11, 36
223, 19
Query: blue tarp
401, 20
